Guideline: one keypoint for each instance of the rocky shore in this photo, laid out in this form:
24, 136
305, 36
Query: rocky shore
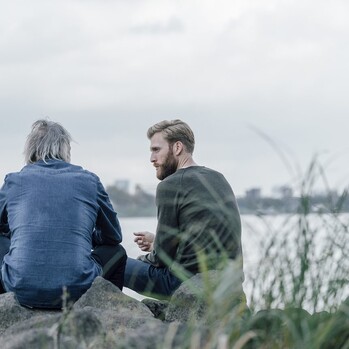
103, 317
204, 312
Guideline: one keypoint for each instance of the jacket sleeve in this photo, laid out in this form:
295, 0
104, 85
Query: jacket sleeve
107, 230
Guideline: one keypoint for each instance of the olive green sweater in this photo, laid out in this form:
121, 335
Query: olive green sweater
198, 219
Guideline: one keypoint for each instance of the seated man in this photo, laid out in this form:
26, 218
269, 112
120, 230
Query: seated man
199, 223
58, 229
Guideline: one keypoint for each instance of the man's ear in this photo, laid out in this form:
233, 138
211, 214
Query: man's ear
177, 148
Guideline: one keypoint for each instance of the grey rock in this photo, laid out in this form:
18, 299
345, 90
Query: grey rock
219, 290
153, 336
105, 296
188, 301
39, 321
117, 312
82, 325
30, 339
119, 324
11, 312
104, 318
76, 329
157, 307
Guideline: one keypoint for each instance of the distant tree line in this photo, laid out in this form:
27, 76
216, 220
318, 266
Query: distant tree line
285, 202
142, 204
137, 204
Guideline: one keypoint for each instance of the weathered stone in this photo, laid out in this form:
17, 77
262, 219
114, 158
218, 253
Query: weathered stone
208, 297
119, 324
152, 335
42, 338
39, 321
30, 339
158, 308
11, 312
104, 318
83, 325
105, 296
189, 302
117, 312
79, 326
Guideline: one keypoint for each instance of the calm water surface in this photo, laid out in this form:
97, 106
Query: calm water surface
256, 232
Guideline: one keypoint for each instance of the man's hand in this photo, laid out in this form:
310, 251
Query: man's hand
144, 240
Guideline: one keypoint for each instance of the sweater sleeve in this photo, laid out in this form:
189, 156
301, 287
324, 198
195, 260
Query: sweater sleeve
167, 232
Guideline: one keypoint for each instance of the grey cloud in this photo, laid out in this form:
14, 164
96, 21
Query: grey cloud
106, 71
39, 39
172, 25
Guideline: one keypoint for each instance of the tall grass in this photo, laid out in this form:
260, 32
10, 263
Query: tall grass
299, 290
305, 261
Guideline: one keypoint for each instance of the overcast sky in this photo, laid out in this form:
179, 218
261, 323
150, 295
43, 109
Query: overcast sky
239, 72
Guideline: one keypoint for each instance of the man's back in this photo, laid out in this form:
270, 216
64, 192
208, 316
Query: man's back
58, 228
52, 208
198, 217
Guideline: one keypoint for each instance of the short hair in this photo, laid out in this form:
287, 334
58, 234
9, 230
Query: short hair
173, 131
47, 140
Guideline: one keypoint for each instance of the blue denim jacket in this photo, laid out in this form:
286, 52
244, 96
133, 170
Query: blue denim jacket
54, 212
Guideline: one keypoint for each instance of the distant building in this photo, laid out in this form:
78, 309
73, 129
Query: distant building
253, 193
122, 184
283, 191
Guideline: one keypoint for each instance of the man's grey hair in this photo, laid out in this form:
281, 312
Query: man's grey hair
47, 140
173, 131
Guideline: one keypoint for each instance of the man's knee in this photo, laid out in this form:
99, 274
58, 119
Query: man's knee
121, 253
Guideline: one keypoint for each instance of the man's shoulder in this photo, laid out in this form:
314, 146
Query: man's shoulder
189, 174
200, 171
82, 171
201, 178
56, 166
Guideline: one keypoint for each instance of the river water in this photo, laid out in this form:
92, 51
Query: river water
258, 231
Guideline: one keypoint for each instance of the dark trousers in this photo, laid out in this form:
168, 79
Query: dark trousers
148, 280
113, 261
5, 243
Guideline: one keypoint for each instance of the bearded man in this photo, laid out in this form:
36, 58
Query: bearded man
199, 226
